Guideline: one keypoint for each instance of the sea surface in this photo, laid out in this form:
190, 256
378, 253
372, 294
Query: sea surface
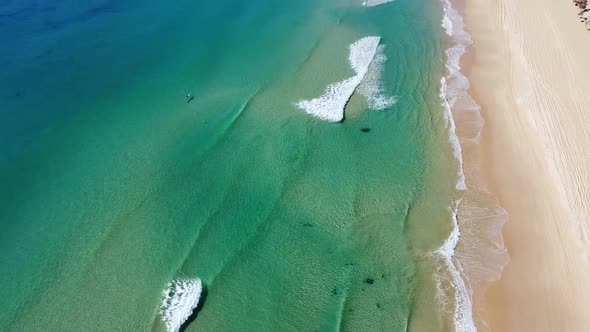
113, 182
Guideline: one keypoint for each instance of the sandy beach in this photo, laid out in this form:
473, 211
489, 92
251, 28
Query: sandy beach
529, 67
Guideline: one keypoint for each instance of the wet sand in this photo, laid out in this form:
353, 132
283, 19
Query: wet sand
529, 68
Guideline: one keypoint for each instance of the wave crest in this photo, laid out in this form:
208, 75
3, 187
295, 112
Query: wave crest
474, 254
179, 299
373, 3
372, 84
330, 106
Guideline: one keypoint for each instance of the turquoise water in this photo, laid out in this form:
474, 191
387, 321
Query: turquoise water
113, 185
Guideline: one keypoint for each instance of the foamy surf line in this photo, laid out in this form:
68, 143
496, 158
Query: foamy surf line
367, 58
330, 106
463, 312
179, 299
459, 269
372, 84
462, 304
373, 3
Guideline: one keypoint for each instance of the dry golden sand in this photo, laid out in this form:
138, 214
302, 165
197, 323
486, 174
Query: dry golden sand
530, 72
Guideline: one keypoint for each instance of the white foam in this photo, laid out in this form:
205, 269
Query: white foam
463, 308
447, 24
479, 257
452, 23
330, 106
179, 299
450, 122
373, 3
371, 86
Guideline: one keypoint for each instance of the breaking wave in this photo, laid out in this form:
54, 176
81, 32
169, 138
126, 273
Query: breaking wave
372, 84
449, 277
373, 3
367, 59
179, 299
474, 253
330, 106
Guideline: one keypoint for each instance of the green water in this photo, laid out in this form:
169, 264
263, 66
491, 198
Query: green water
112, 184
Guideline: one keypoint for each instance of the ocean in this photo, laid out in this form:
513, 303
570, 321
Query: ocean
297, 158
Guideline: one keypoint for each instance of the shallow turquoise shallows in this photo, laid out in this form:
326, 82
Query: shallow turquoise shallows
112, 184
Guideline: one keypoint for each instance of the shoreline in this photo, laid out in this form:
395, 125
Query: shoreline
479, 255
526, 69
